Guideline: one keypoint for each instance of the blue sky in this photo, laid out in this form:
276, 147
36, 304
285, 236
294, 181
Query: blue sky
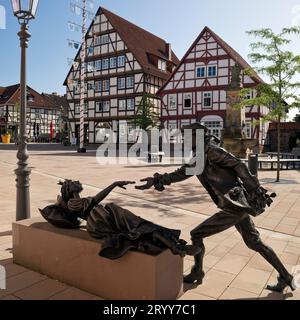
177, 21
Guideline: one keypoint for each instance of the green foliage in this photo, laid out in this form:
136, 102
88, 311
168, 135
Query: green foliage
280, 66
146, 117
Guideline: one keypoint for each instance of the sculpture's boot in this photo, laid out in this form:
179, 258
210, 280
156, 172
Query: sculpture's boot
285, 279
197, 274
282, 284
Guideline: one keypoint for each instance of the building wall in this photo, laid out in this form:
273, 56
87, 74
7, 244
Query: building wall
195, 80
114, 95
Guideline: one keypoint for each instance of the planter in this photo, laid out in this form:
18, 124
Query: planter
5, 138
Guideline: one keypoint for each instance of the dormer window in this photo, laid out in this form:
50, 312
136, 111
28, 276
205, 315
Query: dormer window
162, 65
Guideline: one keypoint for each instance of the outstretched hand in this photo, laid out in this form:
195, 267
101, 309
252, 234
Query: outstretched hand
122, 184
149, 183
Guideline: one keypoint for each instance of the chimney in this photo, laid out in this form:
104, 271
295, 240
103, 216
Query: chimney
169, 51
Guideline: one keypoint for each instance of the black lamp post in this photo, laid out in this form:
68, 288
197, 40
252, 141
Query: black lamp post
24, 10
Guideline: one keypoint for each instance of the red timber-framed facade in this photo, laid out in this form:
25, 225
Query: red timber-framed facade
196, 91
123, 63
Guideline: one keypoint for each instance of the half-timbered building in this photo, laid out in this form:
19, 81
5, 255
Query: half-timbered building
196, 91
42, 113
123, 63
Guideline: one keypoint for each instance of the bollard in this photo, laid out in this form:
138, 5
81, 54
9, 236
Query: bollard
253, 163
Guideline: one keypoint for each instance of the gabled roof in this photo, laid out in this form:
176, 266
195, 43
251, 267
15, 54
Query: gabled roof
11, 95
139, 41
227, 48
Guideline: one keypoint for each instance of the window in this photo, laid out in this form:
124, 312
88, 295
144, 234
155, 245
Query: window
247, 130
106, 106
172, 102
187, 101
130, 82
130, 104
90, 66
77, 108
121, 61
122, 104
90, 86
207, 100
104, 39
98, 86
99, 106
105, 85
214, 127
105, 64
121, 83
97, 41
113, 62
98, 65
90, 51
212, 71
38, 113
86, 107
162, 65
200, 71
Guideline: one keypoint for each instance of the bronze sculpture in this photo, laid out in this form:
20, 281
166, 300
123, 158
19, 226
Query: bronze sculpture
238, 195
118, 229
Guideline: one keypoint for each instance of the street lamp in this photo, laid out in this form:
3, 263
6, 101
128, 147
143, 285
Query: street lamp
24, 10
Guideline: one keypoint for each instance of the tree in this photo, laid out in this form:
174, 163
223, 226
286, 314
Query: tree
146, 117
280, 66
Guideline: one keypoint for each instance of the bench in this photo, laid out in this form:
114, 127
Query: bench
284, 163
71, 256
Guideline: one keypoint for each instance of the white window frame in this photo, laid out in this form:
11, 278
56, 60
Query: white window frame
105, 64
98, 86
106, 105
162, 65
187, 96
205, 97
98, 65
99, 106
172, 105
212, 66
105, 85
122, 104
122, 83
113, 65
202, 68
104, 39
130, 82
121, 61
130, 104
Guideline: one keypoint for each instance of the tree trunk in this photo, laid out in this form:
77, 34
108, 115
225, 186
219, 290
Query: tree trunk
278, 149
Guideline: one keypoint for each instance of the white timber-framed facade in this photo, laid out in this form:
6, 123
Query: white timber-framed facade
123, 63
42, 114
196, 91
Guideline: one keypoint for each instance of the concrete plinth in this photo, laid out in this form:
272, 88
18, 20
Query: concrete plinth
71, 256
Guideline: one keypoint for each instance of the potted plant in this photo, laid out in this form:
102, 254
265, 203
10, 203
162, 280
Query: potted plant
5, 137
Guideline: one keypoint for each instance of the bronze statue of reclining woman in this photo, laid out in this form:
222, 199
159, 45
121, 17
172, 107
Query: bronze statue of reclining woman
118, 229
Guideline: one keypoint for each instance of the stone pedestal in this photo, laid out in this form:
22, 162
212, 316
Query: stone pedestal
71, 256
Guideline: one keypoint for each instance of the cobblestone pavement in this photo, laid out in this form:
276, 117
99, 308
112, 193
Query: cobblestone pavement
232, 270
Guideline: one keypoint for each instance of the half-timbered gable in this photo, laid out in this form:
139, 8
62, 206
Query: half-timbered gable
196, 91
123, 62
41, 112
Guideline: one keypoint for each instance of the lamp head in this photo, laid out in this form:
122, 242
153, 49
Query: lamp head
25, 10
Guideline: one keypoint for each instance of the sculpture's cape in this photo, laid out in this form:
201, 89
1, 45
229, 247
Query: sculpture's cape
119, 230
